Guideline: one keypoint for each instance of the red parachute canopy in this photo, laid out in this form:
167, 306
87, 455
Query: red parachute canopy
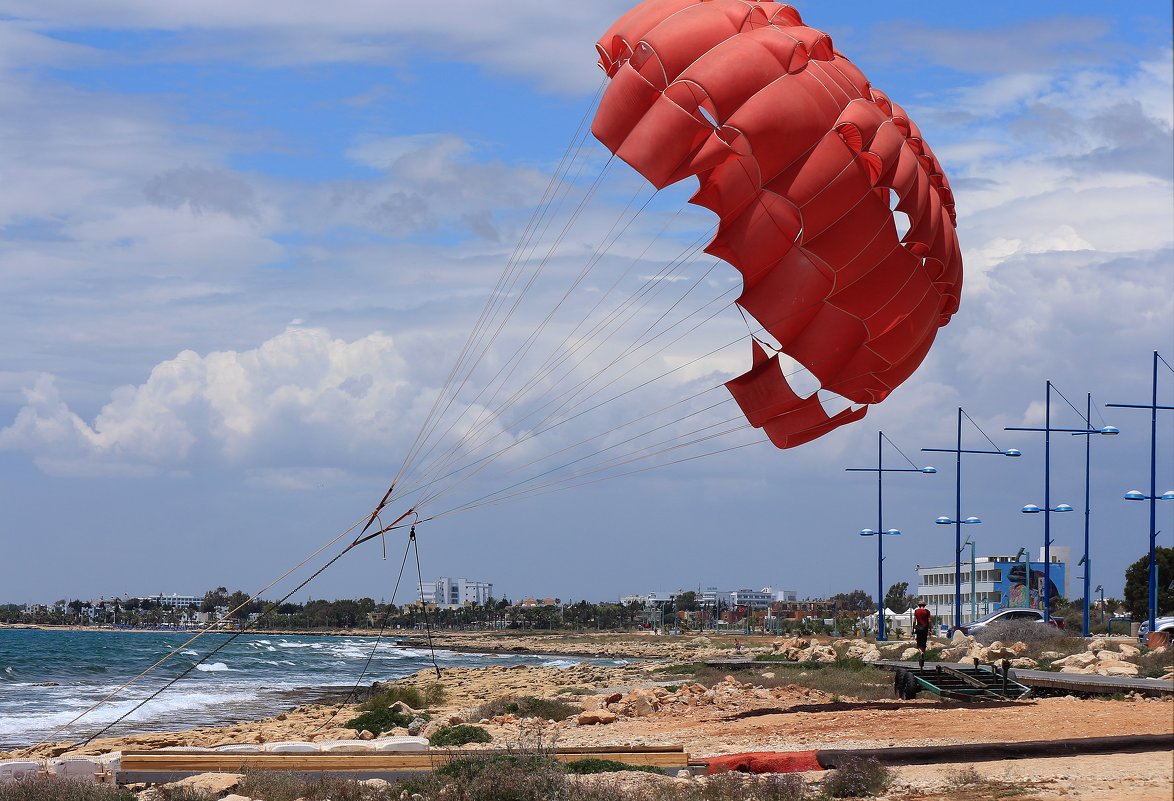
798, 156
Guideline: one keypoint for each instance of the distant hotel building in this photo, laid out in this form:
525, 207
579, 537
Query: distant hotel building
174, 601
998, 583
447, 593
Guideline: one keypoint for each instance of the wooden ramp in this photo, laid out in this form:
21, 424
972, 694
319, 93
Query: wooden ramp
157, 766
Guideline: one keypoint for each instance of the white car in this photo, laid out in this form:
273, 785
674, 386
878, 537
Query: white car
1002, 615
1162, 624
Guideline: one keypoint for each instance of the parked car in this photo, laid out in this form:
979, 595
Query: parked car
1162, 624
1003, 615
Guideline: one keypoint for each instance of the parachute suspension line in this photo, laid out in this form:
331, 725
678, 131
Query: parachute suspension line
435, 420
656, 283
552, 362
350, 696
618, 459
245, 626
611, 399
181, 647
630, 390
420, 579
568, 157
519, 354
629, 307
566, 482
627, 391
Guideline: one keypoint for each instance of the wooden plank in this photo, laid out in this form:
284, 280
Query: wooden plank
418, 760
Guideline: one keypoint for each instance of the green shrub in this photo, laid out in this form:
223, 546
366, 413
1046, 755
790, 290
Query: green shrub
378, 721
53, 789
857, 778
459, 735
396, 692
526, 706
583, 767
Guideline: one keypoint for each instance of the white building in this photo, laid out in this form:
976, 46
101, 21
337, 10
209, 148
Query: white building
174, 601
752, 599
713, 595
447, 593
997, 580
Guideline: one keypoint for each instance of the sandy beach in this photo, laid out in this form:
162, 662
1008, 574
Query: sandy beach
645, 702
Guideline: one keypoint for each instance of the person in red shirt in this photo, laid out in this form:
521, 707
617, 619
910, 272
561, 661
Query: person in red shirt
921, 622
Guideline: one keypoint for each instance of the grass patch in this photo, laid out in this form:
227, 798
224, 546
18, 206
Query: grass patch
53, 789
739, 787
573, 691
857, 778
433, 694
376, 716
1154, 666
461, 734
584, 767
849, 679
277, 786
526, 706
969, 783
1024, 631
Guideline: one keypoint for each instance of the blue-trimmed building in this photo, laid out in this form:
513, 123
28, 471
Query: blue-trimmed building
998, 584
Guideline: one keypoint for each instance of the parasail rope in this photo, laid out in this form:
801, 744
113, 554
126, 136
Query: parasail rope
557, 187
491, 301
244, 627
179, 648
420, 578
642, 384
543, 373
350, 696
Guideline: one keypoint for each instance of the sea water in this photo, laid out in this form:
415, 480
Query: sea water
49, 677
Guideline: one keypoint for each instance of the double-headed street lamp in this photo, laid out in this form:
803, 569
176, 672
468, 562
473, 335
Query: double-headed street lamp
1153, 497
880, 531
1086, 560
958, 521
1047, 509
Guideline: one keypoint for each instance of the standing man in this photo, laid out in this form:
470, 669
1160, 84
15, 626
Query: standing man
921, 621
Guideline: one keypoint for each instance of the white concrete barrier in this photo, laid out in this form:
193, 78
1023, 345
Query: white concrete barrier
400, 744
86, 769
11, 771
291, 748
347, 746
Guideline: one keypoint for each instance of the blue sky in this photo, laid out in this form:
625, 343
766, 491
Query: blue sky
242, 244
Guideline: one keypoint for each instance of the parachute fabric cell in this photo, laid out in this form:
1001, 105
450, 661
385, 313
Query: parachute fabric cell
798, 155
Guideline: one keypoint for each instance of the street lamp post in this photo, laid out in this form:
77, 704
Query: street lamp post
973, 602
1047, 509
1153, 497
1101, 590
958, 521
880, 532
1086, 560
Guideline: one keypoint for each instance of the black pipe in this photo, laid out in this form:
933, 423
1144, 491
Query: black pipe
990, 752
